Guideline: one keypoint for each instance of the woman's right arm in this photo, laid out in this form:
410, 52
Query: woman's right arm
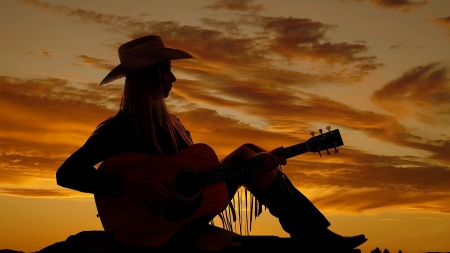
78, 173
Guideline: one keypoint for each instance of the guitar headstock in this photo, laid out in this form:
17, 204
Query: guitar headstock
325, 141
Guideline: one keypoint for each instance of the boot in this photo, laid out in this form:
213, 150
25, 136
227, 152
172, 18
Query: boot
300, 218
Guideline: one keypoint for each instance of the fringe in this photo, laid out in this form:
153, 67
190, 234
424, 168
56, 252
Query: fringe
241, 223
253, 209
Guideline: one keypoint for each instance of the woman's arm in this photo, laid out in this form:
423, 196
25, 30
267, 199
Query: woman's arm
78, 171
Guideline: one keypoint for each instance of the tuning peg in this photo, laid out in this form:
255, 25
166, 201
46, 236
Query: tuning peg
328, 152
312, 133
320, 153
320, 131
336, 150
328, 128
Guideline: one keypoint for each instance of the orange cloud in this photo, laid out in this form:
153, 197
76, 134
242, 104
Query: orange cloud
44, 52
353, 169
349, 171
357, 181
41, 193
235, 5
288, 38
401, 5
43, 121
370, 199
422, 91
230, 27
290, 110
444, 22
295, 37
402, 44
95, 62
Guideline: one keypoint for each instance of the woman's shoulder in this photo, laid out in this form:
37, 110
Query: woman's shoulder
177, 121
108, 124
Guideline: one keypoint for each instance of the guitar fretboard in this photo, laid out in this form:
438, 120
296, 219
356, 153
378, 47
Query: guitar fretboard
229, 171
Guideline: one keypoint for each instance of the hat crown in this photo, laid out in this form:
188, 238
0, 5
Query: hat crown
138, 46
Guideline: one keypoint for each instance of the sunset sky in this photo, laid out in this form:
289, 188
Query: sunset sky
266, 72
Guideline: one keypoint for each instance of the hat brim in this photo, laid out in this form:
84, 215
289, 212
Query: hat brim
144, 59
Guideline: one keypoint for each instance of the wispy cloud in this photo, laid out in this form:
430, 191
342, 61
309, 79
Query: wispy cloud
423, 91
400, 5
444, 22
350, 169
400, 45
370, 199
95, 62
297, 38
235, 5
43, 52
275, 106
292, 39
43, 121
41, 193
426, 218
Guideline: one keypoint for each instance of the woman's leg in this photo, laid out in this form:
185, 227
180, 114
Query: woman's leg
296, 214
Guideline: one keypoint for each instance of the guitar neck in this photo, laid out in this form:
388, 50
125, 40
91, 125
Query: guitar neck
248, 165
324, 141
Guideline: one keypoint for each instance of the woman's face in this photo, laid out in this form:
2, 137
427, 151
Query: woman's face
167, 77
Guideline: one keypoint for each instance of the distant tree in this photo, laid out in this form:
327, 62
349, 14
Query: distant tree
376, 250
385, 251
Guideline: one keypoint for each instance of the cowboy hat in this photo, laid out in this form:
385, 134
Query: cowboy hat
140, 53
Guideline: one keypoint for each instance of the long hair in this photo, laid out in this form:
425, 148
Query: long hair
144, 104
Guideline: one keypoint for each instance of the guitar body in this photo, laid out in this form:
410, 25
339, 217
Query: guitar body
135, 222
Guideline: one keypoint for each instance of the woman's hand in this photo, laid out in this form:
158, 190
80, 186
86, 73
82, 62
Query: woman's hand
271, 162
149, 191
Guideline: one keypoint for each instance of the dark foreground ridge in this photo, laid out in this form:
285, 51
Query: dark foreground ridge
104, 242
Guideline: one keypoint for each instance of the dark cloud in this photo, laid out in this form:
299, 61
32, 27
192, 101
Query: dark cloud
423, 91
297, 37
230, 27
401, 5
290, 38
444, 22
402, 44
235, 5
95, 62
46, 53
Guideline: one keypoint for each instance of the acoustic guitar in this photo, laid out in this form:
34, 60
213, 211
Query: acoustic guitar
196, 178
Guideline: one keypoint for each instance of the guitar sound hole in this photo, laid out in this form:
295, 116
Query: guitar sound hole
187, 185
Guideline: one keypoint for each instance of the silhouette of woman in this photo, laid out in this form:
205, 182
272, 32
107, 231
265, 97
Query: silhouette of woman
144, 125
